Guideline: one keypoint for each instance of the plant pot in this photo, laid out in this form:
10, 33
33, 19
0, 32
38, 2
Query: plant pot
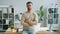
11, 30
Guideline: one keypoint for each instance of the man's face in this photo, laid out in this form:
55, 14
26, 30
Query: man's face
29, 6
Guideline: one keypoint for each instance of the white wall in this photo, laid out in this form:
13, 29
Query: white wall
20, 6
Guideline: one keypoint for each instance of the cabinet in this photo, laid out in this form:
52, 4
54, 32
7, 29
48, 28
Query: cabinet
53, 17
6, 17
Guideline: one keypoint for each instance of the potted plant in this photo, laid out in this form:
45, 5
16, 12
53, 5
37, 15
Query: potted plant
12, 27
41, 16
41, 13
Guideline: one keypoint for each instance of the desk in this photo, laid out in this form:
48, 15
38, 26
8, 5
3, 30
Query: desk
39, 32
12, 33
44, 32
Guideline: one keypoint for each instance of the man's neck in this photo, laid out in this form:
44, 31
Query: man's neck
29, 11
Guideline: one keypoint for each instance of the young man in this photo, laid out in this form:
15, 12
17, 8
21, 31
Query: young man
29, 19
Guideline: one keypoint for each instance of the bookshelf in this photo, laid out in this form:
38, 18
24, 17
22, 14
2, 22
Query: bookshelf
53, 17
6, 17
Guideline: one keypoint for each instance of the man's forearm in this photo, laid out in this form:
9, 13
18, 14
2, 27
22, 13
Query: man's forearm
32, 23
24, 23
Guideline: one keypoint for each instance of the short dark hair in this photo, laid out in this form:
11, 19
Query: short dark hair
29, 2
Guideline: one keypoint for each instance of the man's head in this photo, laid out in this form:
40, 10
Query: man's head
29, 5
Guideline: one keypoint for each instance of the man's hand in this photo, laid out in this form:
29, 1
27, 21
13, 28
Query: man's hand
28, 21
26, 24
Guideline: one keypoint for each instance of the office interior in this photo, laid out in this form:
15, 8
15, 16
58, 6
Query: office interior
48, 12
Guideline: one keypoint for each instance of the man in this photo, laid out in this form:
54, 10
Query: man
29, 19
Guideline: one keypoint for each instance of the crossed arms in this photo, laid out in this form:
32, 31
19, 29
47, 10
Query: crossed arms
29, 22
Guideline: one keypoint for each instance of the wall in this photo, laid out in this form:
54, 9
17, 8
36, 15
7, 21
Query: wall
20, 6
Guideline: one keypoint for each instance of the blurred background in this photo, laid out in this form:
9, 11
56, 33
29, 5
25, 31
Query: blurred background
48, 14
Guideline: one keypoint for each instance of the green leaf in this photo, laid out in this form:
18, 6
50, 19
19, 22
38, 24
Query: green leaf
11, 26
41, 12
